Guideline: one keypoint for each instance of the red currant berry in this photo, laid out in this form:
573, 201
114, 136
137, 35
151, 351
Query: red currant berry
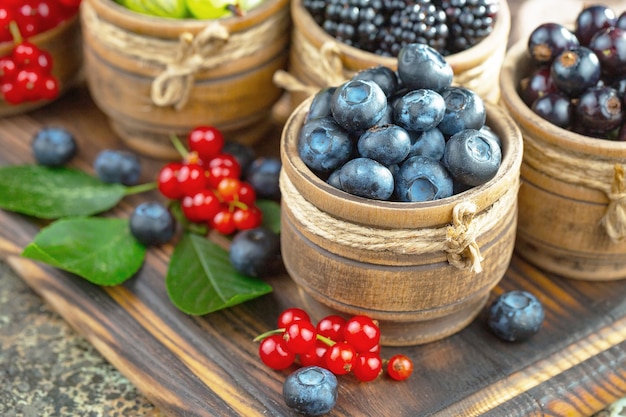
11, 93
248, 218
331, 327
367, 366
340, 358
27, 19
8, 69
191, 179
7, 15
167, 181
362, 333
300, 336
48, 87
26, 82
316, 356
25, 53
42, 62
233, 189
208, 141
223, 222
70, 3
201, 207
290, 315
273, 353
399, 367
222, 166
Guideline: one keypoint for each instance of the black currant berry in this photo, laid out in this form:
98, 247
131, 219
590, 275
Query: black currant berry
549, 40
592, 19
576, 70
599, 110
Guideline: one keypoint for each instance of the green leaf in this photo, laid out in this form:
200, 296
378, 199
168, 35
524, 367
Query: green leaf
101, 250
200, 278
51, 193
271, 214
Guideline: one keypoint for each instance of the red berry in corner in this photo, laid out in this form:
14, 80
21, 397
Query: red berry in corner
399, 367
367, 366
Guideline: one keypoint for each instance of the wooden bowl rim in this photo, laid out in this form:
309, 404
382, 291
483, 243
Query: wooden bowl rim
389, 214
460, 61
165, 27
530, 122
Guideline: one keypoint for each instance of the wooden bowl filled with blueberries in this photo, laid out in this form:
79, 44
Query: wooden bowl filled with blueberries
399, 198
564, 86
40, 56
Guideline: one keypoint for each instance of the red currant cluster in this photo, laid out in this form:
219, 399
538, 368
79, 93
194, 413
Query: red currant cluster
340, 345
26, 75
209, 186
34, 16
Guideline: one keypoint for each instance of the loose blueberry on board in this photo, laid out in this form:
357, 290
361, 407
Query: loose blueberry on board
320, 105
422, 179
358, 104
323, 145
556, 108
152, 224
387, 144
263, 175
515, 316
420, 66
311, 391
53, 146
464, 110
419, 110
367, 178
430, 143
117, 167
472, 157
384, 77
255, 252
549, 40
575, 70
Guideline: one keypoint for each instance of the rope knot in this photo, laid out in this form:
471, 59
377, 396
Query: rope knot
462, 249
614, 220
173, 85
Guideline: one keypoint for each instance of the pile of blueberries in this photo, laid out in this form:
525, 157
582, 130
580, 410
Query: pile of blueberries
406, 135
578, 78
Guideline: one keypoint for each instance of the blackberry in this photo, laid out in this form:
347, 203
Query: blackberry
469, 21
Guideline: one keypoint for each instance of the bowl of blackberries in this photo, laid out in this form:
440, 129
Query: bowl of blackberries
411, 180
564, 85
40, 53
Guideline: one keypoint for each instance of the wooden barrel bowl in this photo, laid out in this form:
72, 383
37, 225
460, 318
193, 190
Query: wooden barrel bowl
64, 43
230, 83
394, 267
564, 197
476, 68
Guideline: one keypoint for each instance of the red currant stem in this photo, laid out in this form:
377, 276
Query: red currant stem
326, 340
268, 333
180, 148
141, 188
239, 204
15, 32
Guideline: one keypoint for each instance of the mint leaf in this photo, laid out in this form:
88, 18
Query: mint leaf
201, 280
101, 250
271, 214
51, 193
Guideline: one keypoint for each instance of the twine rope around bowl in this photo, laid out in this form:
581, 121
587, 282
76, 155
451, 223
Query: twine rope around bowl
182, 58
457, 240
604, 175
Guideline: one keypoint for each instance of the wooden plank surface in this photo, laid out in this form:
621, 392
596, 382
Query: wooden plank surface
208, 366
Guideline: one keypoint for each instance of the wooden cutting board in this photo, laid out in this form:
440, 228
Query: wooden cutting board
208, 366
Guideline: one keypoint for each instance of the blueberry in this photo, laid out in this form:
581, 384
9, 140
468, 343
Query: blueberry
53, 146
152, 224
117, 167
358, 104
388, 144
367, 178
323, 145
423, 179
430, 143
255, 252
515, 316
575, 70
320, 105
311, 390
263, 175
419, 110
472, 157
421, 66
464, 110
385, 77
244, 154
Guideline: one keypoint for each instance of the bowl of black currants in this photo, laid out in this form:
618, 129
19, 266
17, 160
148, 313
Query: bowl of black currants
564, 86
399, 198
